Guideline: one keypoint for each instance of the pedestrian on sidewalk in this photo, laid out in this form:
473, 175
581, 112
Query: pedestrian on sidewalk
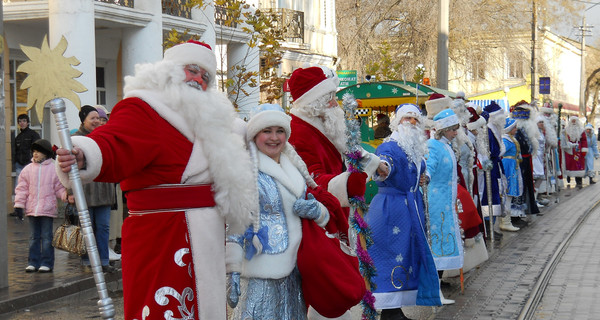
99, 196
21, 152
592, 152
36, 193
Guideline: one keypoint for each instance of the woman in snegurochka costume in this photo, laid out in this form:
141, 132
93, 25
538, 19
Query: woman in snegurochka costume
510, 162
396, 217
444, 231
265, 256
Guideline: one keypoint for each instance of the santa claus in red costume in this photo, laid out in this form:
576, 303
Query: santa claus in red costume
319, 136
171, 144
575, 148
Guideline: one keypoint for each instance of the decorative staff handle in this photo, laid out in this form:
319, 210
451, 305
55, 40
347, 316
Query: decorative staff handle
488, 181
105, 304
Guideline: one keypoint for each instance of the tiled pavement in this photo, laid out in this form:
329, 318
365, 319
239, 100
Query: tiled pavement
27, 289
498, 289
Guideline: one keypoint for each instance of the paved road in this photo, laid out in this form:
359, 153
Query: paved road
498, 289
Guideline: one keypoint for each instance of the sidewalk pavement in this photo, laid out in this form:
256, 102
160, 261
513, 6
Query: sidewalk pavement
28, 289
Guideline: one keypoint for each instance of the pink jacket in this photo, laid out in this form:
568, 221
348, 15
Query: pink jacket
38, 188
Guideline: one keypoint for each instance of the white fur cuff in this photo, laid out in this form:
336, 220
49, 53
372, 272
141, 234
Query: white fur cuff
234, 255
93, 158
370, 162
338, 187
323, 218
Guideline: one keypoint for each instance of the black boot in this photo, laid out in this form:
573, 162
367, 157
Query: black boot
393, 314
579, 182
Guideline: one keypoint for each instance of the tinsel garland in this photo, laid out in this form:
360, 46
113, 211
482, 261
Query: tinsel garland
359, 207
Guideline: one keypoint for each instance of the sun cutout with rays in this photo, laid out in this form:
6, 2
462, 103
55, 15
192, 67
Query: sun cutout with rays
50, 75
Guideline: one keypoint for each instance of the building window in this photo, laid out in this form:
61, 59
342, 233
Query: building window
18, 101
478, 67
100, 87
515, 65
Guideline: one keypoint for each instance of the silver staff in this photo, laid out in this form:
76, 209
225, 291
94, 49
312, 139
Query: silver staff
488, 181
105, 304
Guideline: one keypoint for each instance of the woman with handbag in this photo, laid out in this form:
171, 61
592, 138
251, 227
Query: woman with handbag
265, 256
36, 193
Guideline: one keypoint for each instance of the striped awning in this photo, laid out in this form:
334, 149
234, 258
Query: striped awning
485, 102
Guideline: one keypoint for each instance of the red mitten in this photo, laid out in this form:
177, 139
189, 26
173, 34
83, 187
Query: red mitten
357, 184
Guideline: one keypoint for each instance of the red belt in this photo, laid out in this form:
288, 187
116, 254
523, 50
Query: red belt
171, 197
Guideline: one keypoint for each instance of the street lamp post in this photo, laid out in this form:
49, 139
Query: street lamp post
582, 81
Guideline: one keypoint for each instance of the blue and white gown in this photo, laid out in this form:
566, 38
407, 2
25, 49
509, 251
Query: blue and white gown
406, 273
444, 231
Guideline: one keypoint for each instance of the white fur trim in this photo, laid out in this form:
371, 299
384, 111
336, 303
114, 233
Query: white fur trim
369, 162
291, 185
338, 186
323, 219
446, 122
234, 255
584, 149
324, 87
476, 124
191, 53
93, 161
267, 118
434, 107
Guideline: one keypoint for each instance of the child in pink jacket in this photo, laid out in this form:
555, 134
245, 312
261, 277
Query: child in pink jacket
36, 193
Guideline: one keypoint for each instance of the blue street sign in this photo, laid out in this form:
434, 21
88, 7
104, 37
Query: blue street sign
544, 85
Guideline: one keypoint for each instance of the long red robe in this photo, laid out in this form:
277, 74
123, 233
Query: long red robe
140, 149
575, 157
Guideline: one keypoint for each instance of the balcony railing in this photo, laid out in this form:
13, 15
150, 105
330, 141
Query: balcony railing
122, 3
223, 17
292, 23
177, 8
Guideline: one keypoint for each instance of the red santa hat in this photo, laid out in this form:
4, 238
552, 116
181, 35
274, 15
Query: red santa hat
436, 103
310, 84
547, 108
475, 121
194, 52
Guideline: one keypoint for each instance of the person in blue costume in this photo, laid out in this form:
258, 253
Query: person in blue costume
396, 217
261, 264
496, 120
512, 171
592, 153
444, 231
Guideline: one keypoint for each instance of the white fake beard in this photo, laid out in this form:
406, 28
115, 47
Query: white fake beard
480, 141
332, 120
550, 134
335, 128
530, 129
412, 139
574, 131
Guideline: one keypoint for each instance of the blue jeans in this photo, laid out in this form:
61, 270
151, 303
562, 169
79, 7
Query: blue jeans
41, 252
18, 168
100, 217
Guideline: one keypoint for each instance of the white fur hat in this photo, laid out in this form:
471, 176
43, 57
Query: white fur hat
194, 52
436, 103
267, 115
